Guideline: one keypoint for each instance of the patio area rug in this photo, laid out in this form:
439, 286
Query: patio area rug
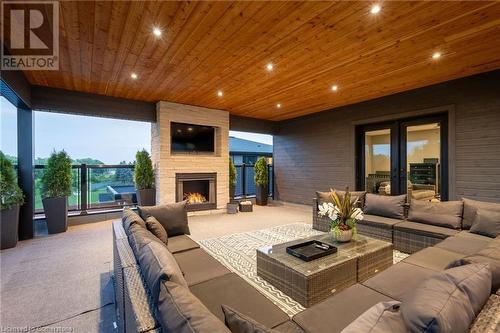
238, 253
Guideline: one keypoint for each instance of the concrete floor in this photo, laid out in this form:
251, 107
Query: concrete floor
63, 281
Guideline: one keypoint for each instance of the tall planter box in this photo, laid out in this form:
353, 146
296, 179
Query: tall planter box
9, 225
262, 195
146, 197
56, 214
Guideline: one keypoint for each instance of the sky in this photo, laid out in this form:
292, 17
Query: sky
108, 140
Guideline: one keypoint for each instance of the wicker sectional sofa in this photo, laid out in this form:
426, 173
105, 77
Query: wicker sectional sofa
212, 285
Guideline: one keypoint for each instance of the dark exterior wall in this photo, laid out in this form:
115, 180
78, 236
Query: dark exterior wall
253, 125
316, 152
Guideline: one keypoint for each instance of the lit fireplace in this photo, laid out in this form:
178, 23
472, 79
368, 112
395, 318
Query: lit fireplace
194, 198
198, 189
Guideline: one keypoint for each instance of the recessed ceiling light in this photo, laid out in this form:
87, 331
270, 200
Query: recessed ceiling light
157, 32
436, 55
335, 87
133, 76
375, 9
220, 93
269, 67
278, 105
190, 129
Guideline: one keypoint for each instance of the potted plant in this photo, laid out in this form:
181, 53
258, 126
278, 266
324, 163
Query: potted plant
232, 180
56, 188
261, 179
144, 179
344, 215
11, 198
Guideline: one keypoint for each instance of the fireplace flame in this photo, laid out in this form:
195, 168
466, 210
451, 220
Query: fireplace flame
194, 198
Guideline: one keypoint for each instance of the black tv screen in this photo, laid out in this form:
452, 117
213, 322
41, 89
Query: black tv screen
192, 138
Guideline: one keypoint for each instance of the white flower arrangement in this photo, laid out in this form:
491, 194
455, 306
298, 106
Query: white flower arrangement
343, 213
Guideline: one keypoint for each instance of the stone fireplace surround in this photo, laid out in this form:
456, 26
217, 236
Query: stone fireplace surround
168, 165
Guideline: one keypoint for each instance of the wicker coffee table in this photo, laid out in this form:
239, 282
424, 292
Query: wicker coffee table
311, 282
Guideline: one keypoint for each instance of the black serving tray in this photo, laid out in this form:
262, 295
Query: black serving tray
308, 251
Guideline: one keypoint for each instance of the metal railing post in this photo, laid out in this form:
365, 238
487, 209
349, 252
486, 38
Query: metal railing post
83, 188
243, 180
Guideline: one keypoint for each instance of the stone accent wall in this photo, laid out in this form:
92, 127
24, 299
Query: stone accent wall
166, 165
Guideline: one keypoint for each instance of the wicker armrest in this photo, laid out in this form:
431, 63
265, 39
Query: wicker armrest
488, 320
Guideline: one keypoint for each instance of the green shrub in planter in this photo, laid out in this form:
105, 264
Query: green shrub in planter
261, 179
56, 188
232, 179
144, 179
11, 198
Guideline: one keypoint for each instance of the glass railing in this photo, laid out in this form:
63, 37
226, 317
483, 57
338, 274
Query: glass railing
245, 185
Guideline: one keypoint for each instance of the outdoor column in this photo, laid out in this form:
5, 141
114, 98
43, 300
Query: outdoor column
26, 170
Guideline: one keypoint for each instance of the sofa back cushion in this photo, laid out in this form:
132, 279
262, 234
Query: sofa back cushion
447, 302
446, 214
140, 236
385, 205
129, 217
173, 217
355, 195
486, 223
471, 207
157, 229
180, 311
380, 318
158, 264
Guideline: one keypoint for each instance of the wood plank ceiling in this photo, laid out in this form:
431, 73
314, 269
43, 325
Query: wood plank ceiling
210, 46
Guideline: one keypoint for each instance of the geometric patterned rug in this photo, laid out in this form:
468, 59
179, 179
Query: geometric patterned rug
238, 253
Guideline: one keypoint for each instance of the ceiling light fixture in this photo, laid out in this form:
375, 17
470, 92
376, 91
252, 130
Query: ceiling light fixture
278, 105
133, 76
220, 93
436, 55
269, 67
335, 87
157, 32
375, 9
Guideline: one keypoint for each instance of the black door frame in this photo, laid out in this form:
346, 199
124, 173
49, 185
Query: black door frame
398, 150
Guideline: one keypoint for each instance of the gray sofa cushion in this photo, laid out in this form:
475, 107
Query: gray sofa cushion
471, 207
158, 264
181, 243
442, 303
335, 313
434, 258
173, 217
426, 229
157, 229
180, 311
355, 195
486, 223
385, 205
129, 218
323, 197
289, 326
233, 291
198, 266
444, 214
239, 323
140, 236
399, 280
464, 242
379, 221
381, 318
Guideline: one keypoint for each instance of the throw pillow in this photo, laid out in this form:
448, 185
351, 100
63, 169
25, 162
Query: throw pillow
157, 229
385, 205
140, 237
173, 217
446, 214
180, 311
130, 217
380, 318
442, 303
486, 223
471, 207
158, 264
324, 197
239, 323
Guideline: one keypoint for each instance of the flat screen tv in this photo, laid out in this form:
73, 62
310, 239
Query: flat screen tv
192, 138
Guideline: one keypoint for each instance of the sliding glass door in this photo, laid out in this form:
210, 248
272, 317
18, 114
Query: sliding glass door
404, 156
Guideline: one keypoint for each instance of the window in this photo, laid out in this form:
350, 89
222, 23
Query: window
8, 126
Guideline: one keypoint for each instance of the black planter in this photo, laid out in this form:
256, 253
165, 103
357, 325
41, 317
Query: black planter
262, 194
56, 214
232, 191
146, 197
9, 224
